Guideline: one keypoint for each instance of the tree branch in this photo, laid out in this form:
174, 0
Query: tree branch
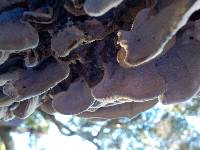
61, 126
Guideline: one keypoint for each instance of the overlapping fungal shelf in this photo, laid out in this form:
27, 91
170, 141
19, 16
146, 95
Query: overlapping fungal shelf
97, 58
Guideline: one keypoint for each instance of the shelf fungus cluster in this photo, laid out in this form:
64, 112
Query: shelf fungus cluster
97, 58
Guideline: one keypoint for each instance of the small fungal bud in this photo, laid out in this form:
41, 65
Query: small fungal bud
31, 59
47, 106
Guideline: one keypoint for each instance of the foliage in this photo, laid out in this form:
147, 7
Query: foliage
163, 127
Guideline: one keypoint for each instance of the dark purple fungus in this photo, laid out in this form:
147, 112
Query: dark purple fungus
181, 69
5, 100
74, 8
139, 84
100, 7
66, 40
129, 109
41, 78
26, 108
148, 40
75, 100
10, 40
7, 3
3, 112
47, 106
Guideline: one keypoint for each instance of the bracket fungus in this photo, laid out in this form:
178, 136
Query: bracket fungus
153, 31
100, 7
129, 109
6, 3
42, 15
5, 100
139, 84
75, 100
84, 58
41, 80
26, 108
47, 106
3, 111
74, 7
66, 40
10, 40
181, 67
72, 37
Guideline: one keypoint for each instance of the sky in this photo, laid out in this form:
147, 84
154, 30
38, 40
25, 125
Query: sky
55, 140
52, 141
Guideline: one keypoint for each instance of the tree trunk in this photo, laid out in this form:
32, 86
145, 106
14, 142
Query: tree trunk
6, 138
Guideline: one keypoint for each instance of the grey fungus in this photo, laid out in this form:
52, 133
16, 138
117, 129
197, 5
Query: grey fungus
47, 106
75, 100
100, 7
69, 38
139, 84
5, 100
179, 67
13, 41
94, 30
177, 78
3, 112
26, 108
6, 3
153, 31
4, 55
40, 81
74, 7
10, 40
182, 71
84, 58
42, 15
129, 109
64, 41
31, 59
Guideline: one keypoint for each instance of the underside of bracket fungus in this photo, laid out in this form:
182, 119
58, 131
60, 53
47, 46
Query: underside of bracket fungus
129, 109
180, 67
47, 106
154, 28
41, 80
6, 3
10, 39
97, 58
67, 40
26, 108
75, 100
138, 84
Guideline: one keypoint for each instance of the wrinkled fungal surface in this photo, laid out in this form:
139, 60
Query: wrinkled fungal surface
97, 58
